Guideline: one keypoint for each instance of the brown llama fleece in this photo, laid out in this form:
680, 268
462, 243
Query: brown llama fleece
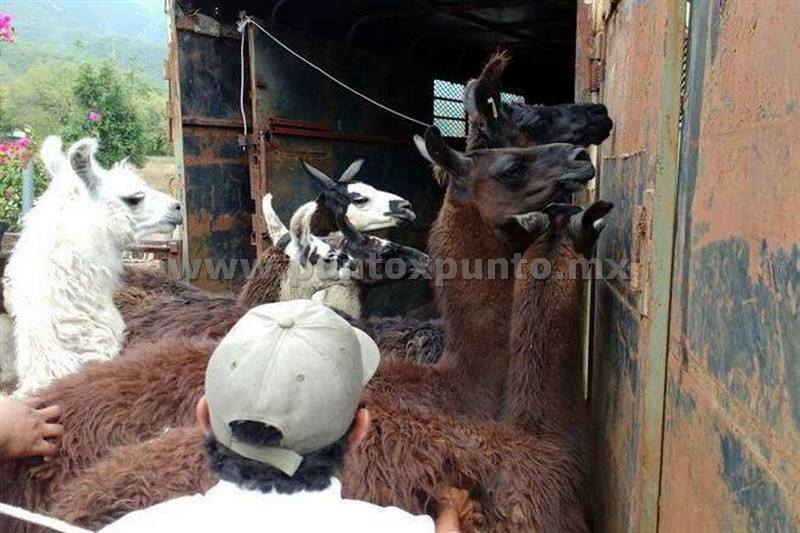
105, 404
521, 482
477, 312
141, 286
122, 482
202, 313
263, 285
154, 305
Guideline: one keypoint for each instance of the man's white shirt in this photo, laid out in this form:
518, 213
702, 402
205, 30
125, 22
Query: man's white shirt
229, 508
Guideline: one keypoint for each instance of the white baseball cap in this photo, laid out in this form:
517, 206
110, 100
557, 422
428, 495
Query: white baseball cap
296, 366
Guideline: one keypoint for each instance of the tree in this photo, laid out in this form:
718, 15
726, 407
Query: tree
41, 99
107, 110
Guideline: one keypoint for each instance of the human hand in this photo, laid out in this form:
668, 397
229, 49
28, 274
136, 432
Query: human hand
455, 509
26, 431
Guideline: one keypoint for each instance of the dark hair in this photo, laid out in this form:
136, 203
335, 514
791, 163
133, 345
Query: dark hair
313, 474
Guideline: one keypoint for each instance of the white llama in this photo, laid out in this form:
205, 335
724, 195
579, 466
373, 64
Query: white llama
61, 278
371, 209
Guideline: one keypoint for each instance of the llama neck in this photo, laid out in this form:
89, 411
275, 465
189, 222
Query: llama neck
322, 221
265, 282
474, 297
544, 371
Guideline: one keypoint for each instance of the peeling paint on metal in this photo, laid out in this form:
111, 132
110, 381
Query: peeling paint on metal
732, 463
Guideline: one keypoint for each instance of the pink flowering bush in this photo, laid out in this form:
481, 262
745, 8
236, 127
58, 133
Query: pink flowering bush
14, 157
6, 29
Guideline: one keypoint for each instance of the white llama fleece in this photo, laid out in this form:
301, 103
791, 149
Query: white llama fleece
67, 265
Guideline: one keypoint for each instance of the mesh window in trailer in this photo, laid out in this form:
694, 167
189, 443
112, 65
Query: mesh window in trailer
448, 107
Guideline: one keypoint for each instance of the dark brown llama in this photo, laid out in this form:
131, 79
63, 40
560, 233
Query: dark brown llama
544, 386
486, 187
529, 474
428, 390
522, 482
107, 404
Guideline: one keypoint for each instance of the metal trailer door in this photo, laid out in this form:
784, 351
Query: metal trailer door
640, 44
732, 421
300, 114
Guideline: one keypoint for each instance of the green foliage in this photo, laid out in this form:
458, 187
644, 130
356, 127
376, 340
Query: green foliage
42, 99
103, 89
11, 169
132, 32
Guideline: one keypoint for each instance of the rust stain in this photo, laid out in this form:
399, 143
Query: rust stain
748, 147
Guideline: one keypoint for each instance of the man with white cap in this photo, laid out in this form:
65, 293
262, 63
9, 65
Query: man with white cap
282, 408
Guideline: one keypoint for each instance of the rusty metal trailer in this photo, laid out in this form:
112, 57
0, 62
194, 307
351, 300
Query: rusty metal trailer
694, 359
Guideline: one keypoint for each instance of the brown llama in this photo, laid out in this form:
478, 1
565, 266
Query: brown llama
544, 386
412, 374
110, 403
427, 390
522, 482
528, 474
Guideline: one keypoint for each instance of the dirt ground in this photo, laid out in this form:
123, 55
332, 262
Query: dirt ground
161, 173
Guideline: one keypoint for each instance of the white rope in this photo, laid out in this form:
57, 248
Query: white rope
241, 26
40, 519
245, 20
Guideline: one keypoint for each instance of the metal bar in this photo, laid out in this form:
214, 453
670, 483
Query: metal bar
452, 35
394, 14
27, 188
283, 127
176, 121
663, 233
257, 155
212, 122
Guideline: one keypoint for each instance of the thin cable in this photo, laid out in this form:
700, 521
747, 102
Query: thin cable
40, 519
247, 20
242, 27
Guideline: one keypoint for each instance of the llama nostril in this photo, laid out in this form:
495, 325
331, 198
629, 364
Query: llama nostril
176, 206
579, 154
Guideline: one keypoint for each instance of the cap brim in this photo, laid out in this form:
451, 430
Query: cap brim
370, 355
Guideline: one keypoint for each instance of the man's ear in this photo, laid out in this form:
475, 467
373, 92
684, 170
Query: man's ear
361, 425
203, 418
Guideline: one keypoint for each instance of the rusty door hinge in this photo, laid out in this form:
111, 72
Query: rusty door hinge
641, 248
596, 64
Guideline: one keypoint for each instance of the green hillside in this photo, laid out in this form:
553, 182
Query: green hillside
130, 32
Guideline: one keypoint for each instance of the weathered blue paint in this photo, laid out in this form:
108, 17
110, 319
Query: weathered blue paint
216, 176
287, 89
754, 488
731, 462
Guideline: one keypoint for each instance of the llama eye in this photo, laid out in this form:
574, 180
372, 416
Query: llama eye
360, 200
134, 199
513, 173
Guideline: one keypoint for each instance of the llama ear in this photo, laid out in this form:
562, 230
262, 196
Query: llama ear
320, 177
586, 226
275, 226
556, 209
454, 162
482, 95
419, 142
351, 171
81, 158
534, 222
52, 154
594, 215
